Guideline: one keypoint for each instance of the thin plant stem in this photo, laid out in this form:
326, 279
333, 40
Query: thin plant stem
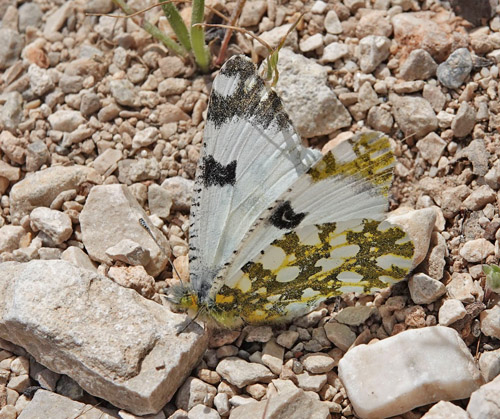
200, 50
154, 31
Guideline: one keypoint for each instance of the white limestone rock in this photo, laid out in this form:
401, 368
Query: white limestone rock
110, 208
55, 224
411, 369
40, 188
114, 343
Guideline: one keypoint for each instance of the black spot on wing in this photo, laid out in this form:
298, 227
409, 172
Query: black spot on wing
248, 101
285, 218
214, 173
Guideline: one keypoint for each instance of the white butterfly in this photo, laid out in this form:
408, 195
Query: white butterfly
276, 228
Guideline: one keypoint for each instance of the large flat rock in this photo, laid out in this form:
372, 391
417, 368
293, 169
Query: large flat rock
113, 342
414, 368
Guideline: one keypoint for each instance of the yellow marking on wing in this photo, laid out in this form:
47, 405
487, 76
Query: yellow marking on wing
372, 160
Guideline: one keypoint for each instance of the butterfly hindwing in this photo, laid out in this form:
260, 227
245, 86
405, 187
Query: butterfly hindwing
322, 237
308, 265
251, 155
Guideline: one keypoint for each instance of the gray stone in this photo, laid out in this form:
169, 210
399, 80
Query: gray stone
181, 190
372, 51
11, 45
30, 14
159, 200
463, 123
66, 120
290, 403
453, 72
340, 334
11, 114
39, 189
138, 170
418, 66
355, 316
414, 115
138, 369
55, 224
242, 373
424, 289
124, 93
301, 79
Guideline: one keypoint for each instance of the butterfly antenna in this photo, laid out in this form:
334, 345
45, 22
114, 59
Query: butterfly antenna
143, 223
192, 320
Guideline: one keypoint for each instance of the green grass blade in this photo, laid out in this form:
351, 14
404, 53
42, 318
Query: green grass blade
177, 24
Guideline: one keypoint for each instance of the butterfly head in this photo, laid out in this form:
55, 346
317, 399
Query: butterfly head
184, 298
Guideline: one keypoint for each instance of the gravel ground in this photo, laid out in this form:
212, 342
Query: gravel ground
98, 119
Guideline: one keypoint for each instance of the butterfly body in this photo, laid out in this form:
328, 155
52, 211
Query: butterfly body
276, 227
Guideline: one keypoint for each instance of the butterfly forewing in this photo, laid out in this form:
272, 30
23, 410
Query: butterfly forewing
251, 155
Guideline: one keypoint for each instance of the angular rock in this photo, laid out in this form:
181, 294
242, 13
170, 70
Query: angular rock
290, 403
355, 316
414, 115
484, 402
181, 190
431, 147
333, 52
424, 289
55, 224
418, 224
453, 72
39, 189
451, 311
66, 120
478, 15
371, 51
300, 80
489, 363
446, 371
122, 209
477, 250
430, 31
46, 404
242, 373
130, 252
138, 369
418, 66
11, 45
13, 147
106, 162
445, 410
138, 170
490, 322
194, 391
464, 120
134, 277
159, 200
340, 334
272, 356
479, 198
10, 237
79, 258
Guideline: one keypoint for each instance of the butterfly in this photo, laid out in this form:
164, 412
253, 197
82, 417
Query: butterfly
276, 228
